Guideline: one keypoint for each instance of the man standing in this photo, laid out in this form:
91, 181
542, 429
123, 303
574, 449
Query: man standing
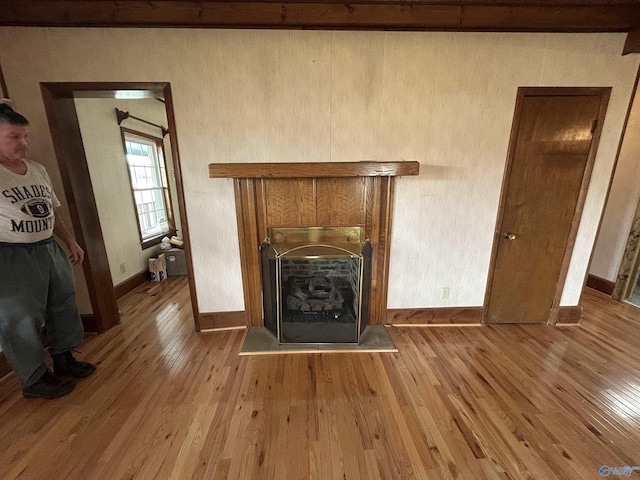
36, 278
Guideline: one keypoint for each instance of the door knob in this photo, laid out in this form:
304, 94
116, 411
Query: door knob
509, 235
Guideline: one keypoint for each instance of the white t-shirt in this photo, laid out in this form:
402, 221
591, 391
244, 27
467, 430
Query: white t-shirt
26, 204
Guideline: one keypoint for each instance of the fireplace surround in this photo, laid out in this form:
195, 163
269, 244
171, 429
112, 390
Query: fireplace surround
272, 197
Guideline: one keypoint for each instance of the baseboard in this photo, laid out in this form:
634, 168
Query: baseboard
221, 320
402, 316
129, 284
569, 315
461, 316
435, 316
600, 284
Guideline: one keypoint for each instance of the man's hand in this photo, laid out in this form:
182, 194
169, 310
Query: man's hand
76, 254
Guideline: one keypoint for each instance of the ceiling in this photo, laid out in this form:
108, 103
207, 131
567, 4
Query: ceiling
422, 15
434, 15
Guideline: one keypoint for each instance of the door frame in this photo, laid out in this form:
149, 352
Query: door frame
63, 121
604, 93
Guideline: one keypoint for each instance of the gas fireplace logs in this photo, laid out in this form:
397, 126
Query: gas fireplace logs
315, 293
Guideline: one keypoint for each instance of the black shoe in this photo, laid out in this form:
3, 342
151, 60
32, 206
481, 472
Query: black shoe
65, 364
48, 386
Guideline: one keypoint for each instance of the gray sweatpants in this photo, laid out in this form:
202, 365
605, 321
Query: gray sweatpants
36, 288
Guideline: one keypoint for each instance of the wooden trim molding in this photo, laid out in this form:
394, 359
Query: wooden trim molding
632, 43
313, 170
426, 15
130, 283
569, 315
435, 316
604, 93
222, 320
67, 141
182, 207
379, 224
600, 284
397, 316
461, 316
250, 236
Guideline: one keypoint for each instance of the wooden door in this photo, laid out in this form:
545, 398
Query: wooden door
553, 145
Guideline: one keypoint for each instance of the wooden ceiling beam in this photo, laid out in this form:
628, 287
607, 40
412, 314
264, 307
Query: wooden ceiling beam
427, 15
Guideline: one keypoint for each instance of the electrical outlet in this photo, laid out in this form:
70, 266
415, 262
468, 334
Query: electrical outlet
123, 268
444, 293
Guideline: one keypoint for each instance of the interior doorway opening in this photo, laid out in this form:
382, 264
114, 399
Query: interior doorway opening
627, 287
60, 105
614, 267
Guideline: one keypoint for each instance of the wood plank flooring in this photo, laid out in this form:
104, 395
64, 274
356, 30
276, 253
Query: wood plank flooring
492, 402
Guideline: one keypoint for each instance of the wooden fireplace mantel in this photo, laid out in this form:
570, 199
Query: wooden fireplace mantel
313, 170
312, 194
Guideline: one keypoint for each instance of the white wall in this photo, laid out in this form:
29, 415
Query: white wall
108, 170
622, 203
443, 99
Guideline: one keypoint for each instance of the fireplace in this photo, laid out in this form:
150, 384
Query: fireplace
332, 207
316, 284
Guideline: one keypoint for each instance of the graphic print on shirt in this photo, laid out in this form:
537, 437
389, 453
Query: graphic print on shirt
27, 205
37, 208
34, 201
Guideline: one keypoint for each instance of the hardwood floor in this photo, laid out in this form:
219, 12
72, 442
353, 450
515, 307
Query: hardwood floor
491, 402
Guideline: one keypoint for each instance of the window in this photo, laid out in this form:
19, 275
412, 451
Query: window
149, 186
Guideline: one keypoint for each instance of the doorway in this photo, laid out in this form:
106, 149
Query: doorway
626, 284
59, 101
627, 287
553, 144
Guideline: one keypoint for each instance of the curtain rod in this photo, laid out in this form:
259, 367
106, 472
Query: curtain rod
122, 115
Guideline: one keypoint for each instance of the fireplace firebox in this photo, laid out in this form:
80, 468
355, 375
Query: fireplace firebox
316, 284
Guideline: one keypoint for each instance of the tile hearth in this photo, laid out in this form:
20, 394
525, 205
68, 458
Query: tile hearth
259, 341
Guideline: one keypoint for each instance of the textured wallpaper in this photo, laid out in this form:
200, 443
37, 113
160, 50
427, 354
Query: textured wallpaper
443, 99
